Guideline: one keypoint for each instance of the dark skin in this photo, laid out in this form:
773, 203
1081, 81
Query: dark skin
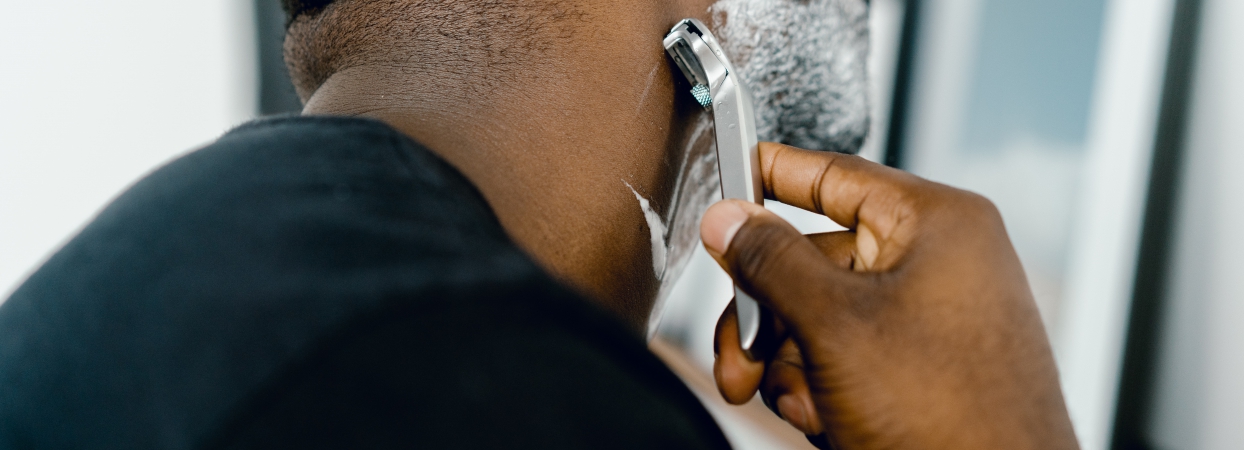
549, 138
915, 329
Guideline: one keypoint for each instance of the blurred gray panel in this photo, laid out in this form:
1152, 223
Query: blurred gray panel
276, 92
1198, 396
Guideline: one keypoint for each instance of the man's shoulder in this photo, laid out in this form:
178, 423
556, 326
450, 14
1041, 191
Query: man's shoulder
525, 365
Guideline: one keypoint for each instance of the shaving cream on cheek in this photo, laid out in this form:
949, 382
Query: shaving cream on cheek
806, 63
696, 187
657, 230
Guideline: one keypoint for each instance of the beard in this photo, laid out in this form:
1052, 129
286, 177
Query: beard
806, 64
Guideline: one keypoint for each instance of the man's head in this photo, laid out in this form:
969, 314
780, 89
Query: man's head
804, 59
566, 112
482, 39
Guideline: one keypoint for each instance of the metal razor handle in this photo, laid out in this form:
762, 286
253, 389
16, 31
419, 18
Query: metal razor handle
717, 87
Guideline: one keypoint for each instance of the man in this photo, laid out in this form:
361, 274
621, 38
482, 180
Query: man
447, 251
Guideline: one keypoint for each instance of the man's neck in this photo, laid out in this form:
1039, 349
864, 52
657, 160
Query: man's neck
552, 149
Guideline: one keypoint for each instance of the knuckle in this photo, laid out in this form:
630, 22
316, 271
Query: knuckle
907, 205
911, 194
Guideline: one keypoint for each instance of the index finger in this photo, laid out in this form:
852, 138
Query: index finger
846, 188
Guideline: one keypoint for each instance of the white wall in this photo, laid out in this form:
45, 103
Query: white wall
1199, 403
95, 94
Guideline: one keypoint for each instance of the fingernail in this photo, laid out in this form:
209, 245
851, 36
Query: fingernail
791, 409
721, 222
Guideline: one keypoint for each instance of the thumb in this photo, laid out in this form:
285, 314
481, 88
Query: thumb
777, 265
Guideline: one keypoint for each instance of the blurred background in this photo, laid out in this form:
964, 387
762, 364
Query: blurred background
1104, 130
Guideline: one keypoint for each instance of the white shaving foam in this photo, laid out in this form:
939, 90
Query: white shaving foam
652, 75
696, 187
656, 227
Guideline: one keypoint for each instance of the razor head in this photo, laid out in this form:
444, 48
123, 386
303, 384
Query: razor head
698, 56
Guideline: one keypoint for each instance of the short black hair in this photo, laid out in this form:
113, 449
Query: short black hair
324, 37
295, 8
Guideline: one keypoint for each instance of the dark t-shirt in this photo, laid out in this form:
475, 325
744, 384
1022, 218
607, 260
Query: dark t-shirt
320, 283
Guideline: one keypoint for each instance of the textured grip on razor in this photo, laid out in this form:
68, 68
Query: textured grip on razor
702, 95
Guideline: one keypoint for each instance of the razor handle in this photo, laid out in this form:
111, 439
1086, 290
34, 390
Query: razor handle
718, 88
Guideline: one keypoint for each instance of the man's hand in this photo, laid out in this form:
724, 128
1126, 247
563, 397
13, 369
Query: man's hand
914, 329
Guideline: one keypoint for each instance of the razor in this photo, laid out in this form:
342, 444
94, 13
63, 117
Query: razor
718, 88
